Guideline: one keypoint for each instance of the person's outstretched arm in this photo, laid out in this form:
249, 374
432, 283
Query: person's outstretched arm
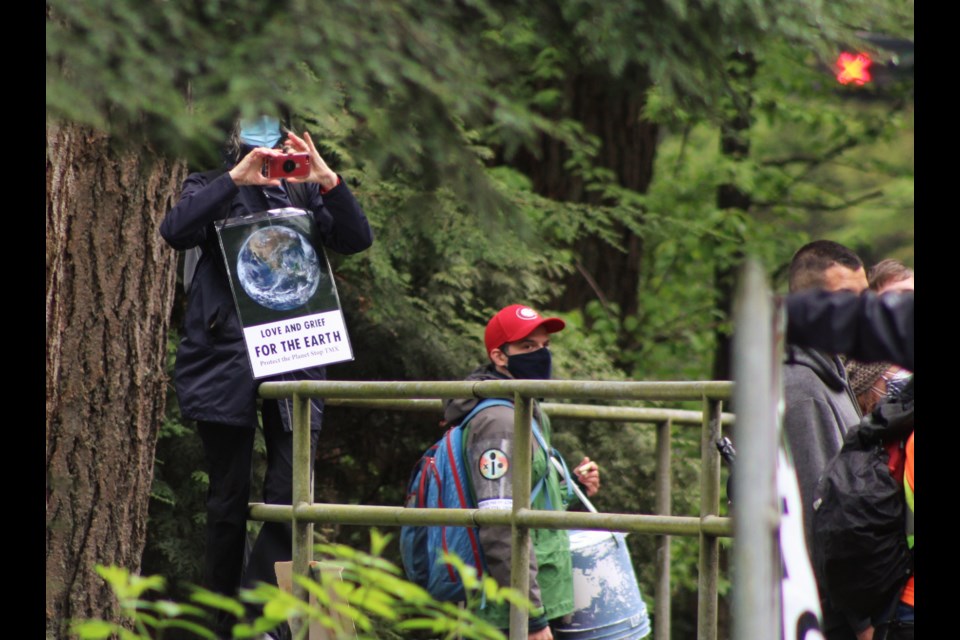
868, 327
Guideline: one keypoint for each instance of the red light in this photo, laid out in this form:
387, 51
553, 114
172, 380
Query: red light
853, 68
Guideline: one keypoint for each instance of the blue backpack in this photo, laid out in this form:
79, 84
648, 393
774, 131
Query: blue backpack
439, 481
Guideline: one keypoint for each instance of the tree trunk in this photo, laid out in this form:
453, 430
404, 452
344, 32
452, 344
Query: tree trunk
609, 108
109, 289
734, 144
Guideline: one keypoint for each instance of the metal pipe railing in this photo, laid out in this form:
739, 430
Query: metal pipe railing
664, 505
662, 418
373, 515
423, 395
709, 506
520, 534
598, 412
302, 551
572, 389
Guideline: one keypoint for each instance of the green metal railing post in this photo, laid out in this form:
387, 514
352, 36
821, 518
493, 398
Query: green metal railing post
663, 506
520, 561
302, 497
709, 506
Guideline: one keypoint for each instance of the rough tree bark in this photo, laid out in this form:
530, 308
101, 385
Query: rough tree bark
109, 289
609, 108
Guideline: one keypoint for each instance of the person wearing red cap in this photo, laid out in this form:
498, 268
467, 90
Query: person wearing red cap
517, 339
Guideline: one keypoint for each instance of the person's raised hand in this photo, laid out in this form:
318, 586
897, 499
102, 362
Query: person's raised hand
249, 171
319, 171
588, 473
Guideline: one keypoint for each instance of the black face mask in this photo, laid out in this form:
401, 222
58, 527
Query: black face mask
534, 365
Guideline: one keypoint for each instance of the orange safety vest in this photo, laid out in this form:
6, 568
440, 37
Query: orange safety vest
907, 596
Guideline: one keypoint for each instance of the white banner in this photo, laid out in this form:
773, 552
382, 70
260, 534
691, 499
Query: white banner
309, 341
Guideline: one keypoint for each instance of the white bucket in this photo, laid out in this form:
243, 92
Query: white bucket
606, 598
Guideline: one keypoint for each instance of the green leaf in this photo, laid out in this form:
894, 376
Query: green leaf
193, 627
94, 629
209, 598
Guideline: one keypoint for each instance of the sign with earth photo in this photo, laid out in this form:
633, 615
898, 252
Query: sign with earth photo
284, 291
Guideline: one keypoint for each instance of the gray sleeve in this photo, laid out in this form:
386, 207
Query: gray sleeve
488, 456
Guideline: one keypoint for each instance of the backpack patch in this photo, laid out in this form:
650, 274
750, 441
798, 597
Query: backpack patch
493, 464
860, 550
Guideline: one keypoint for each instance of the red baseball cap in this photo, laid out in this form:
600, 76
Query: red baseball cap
515, 323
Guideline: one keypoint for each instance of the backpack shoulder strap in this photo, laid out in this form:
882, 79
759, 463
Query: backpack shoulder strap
484, 404
501, 402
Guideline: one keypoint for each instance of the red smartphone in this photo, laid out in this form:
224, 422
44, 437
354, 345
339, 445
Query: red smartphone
290, 165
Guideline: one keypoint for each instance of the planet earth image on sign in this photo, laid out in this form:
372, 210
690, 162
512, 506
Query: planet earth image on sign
278, 268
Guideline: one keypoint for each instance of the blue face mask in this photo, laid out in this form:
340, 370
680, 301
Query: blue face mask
260, 132
534, 365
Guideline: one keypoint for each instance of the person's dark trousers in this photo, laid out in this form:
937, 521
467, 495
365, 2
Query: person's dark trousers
836, 626
228, 451
274, 544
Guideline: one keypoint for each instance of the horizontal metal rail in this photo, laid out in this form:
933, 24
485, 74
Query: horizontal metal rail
320, 513
598, 412
572, 389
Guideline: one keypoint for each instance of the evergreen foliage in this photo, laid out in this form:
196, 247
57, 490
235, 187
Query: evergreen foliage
368, 598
